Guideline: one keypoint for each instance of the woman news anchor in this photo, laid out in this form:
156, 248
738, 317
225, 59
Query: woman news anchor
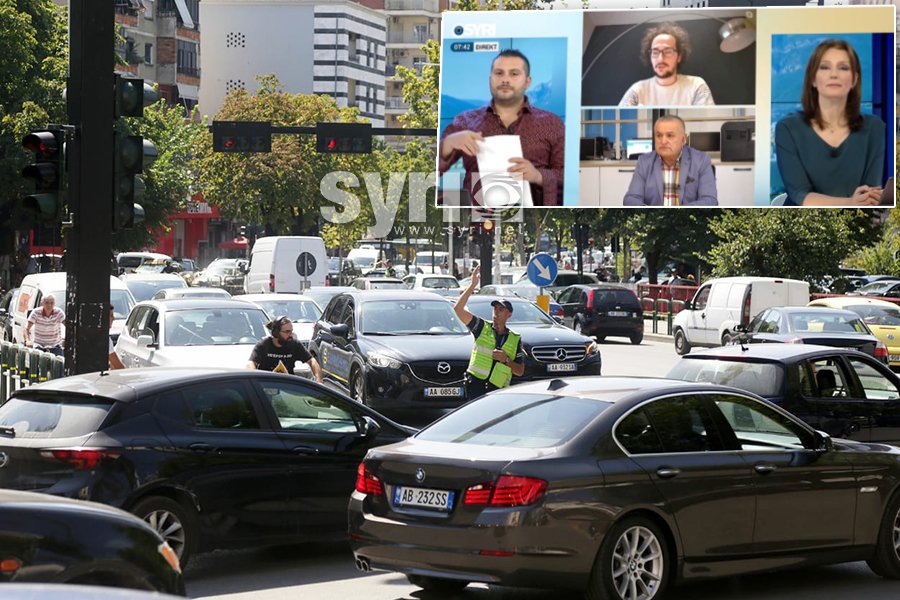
829, 154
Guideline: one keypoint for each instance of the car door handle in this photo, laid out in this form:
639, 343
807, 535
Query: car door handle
305, 450
764, 469
667, 472
200, 447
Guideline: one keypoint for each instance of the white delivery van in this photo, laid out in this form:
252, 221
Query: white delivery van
719, 305
286, 264
365, 258
429, 262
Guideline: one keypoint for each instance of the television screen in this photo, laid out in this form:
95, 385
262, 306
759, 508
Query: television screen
707, 141
634, 148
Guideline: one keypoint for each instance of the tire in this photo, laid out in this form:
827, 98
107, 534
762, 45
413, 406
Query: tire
620, 573
437, 584
682, 345
601, 338
636, 338
175, 523
358, 386
727, 338
578, 328
886, 560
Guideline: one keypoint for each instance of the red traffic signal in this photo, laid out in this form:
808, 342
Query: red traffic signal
343, 138
487, 226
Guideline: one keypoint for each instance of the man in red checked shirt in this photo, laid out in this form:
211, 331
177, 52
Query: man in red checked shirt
541, 133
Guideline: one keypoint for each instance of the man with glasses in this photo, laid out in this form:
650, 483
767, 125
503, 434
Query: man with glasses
281, 350
665, 48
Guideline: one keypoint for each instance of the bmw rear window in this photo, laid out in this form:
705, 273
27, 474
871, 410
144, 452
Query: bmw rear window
516, 420
765, 379
63, 416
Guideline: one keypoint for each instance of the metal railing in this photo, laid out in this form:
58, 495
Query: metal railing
21, 367
426, 5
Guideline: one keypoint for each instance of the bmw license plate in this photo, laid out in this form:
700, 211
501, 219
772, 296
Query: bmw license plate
423, 498
561, 367
619, 313
444, 392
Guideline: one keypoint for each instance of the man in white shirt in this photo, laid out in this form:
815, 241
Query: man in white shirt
665, 48
44, 328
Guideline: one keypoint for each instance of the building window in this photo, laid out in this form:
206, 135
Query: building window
352, 44
351, 92
187, 58
148, 54
149, 8
421, 33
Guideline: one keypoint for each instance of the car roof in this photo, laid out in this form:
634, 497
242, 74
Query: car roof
844, 301
815, 310
380, 279
768, 351
398, 295
611, 389
147, 276
258, 297
174, 304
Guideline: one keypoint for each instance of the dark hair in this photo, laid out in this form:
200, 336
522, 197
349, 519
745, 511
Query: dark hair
510, 53
276, 324
810, 99
682, 41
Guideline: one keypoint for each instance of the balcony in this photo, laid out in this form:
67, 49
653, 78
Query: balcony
408, 37
421, 5
395, 103
189, 71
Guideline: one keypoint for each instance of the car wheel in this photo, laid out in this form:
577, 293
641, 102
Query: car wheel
633, 563
437, 584
886, 561
636, 338
358, 386
682, 346
577, 327
174, 522
727, 338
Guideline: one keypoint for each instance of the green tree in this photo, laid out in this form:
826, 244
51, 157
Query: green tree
680, 235
883, 256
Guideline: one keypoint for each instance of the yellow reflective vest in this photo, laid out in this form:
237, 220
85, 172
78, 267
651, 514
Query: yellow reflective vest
483, 366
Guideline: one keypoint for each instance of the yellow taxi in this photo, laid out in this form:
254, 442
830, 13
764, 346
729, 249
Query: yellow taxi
881, 316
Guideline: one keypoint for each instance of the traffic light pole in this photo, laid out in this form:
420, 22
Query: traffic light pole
90, 100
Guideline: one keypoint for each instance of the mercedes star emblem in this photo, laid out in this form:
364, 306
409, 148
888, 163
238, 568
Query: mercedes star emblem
443, 368
4, 459
561, 354
420, 475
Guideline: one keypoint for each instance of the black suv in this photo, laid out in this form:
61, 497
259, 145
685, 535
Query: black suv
603, 310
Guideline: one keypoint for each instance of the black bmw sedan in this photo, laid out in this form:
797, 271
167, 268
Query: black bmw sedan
403, 353
208, 457
619, 487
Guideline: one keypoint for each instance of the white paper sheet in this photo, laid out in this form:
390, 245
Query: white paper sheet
499, 189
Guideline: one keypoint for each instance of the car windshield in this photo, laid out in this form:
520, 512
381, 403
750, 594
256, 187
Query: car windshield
515, 420
523, 312
765, 379
215, 327
409, 317
299, 311
151, 266
363, 261
226, 268
375, 284
878, 286
144, 289
821, 322
440, 283
877, 315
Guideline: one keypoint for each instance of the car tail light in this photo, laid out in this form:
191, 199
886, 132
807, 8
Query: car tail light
509, 490
590, 300
367, 482
745, 311
81, 458
881, 350
10, 565
271, 282
495, 553
560, 312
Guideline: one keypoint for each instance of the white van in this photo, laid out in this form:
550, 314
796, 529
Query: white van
721, 304
36, 286
365, 258
431, 262
286, 264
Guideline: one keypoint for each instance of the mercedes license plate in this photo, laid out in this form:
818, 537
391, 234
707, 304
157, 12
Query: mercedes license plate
444, 392
619, 313
423, 498
565, 367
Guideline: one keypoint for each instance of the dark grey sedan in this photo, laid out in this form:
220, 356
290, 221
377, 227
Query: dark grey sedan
619, 487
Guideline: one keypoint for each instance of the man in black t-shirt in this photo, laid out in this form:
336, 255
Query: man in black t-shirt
280, 351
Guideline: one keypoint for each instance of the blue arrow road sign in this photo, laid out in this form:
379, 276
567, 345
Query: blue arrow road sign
542, 270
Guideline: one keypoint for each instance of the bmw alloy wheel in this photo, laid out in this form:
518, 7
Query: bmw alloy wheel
637, 564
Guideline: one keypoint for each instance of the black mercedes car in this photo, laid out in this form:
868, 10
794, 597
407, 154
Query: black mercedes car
58, 540
403, 353
845, 393
550, 348
208, 457
619, 487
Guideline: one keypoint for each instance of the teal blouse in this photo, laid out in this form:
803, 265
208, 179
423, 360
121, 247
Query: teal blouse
809, 164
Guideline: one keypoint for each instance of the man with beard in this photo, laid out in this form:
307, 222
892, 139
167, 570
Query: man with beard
510, 113
666, 48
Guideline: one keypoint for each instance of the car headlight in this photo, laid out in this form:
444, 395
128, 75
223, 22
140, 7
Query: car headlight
591, 348
383, 361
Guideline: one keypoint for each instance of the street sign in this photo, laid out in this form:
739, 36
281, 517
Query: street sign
542, 270
306, 264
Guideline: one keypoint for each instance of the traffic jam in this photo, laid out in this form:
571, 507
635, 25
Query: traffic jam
452, 431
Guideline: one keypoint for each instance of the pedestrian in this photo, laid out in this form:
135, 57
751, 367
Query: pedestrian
279, 351
114, 361
47, 322
389, 269
497, 354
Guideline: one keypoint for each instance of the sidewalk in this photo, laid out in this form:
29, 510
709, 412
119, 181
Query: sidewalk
661, 329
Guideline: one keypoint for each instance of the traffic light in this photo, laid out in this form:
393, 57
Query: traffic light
343, 138
132, 153
487, 227
48, 172
242, 136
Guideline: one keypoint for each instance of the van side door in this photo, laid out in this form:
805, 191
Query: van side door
695, 329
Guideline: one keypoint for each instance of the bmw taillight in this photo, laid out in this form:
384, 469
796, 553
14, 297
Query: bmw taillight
881, 351
272, 282
367, 482
82, 459
508, 490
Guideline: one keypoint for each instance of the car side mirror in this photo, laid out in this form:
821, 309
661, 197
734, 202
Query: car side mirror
370, 427
822, 442
688, 305
341, 330
559, 319
144, 341
741, 328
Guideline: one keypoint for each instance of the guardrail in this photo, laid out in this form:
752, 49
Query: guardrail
21, 367
668, 292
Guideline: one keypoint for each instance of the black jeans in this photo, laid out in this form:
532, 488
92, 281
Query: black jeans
476, 388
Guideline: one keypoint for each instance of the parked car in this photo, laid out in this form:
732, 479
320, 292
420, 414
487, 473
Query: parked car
881, 317
444, 285
550, 348
526, 290
883, 288
129, 261
190, 292
565, 278
143, 285
620, 487
377, 283
814, 325
301, 310
843, 392
59, 540
401, 352
603, 310
208, 457
7, 304
720, 305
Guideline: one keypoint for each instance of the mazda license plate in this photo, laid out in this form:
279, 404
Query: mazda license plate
444, 392
561, 367
423, 498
